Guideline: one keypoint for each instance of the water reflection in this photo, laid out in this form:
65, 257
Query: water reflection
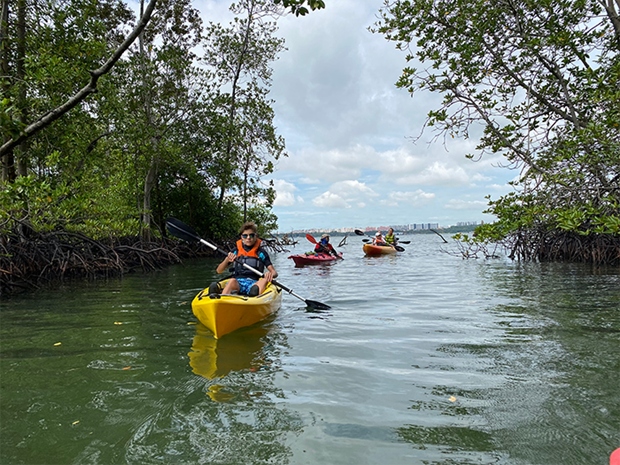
227, 411
314, 270
215, 358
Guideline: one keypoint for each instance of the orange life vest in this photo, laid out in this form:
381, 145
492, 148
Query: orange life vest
250, 258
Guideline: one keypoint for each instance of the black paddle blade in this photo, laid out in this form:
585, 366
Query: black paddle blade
359, 232
316, 305
399, 248
365, 240
179, 229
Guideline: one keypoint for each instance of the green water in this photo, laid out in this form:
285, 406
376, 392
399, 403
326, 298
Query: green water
424, 358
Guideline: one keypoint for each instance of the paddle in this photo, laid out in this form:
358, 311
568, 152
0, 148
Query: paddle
402, 242
311, 238
179, 229
362, 233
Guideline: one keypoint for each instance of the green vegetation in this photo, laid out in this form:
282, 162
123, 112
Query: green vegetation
110, 123
538, 82
107, 132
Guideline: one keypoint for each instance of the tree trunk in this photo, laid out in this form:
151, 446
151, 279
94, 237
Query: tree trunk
149, 182
151, 175
233, 104
8, 169
20, 72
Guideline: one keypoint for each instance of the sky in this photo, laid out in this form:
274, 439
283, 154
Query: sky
358, 153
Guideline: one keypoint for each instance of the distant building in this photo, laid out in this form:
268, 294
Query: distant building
420, 226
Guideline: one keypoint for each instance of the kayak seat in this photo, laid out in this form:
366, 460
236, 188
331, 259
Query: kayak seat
214, 289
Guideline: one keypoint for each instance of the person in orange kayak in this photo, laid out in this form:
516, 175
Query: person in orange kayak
378, 239
323, 246
390, 238
250, 252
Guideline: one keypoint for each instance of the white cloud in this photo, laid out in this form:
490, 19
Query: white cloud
310, 181
285, 194
413, 199
345, 194
462, 204
357, 153
330, 200
439, 173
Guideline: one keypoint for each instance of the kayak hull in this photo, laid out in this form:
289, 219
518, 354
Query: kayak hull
223, 314
374, 250
314, 259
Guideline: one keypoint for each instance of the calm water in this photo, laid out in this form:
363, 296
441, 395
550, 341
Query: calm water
423, 359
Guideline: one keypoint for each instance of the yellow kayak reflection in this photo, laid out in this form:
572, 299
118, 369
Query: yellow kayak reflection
214, 358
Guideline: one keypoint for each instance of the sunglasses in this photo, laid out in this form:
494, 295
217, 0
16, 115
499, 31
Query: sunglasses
251, 236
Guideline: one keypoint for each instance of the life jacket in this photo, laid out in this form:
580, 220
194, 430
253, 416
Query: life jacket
389, 238
250, 258
321, 247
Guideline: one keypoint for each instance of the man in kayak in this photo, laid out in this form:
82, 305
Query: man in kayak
323, 246
250, 252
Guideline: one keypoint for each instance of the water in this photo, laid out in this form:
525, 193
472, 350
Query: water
424, 358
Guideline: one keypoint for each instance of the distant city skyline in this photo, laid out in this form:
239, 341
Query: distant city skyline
368, 229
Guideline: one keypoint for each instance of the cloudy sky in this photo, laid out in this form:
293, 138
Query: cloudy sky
353, 160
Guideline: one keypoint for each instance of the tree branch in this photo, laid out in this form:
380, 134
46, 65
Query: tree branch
90, 88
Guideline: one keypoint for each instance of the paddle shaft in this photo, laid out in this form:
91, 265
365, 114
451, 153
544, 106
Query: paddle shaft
400, 242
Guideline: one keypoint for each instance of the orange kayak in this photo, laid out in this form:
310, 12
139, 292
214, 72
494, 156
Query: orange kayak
373, 250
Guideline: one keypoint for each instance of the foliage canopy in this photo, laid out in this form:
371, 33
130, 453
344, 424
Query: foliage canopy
539, 83
162, 130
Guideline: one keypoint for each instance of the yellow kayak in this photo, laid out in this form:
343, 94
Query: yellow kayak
223, 314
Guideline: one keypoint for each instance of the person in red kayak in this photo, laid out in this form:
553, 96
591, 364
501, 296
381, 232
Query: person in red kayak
250, 252
323, 246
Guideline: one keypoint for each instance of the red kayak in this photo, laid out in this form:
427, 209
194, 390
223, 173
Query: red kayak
313, 258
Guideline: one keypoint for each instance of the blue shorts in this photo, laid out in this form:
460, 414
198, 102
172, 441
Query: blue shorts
245, 285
